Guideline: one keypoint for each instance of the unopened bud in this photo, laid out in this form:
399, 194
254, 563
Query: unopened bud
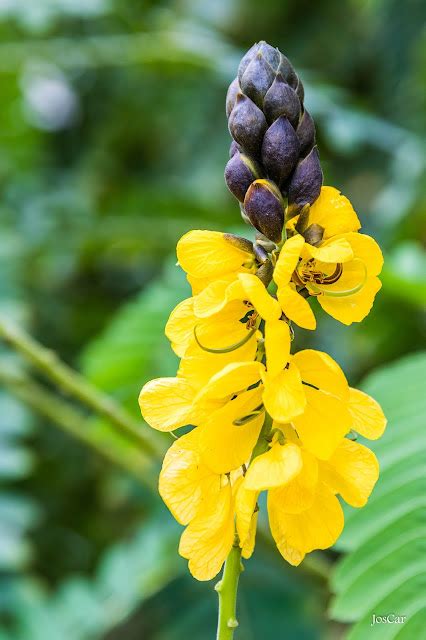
306, 133
285, 69
263, 205
281, 100
247, 124
257, 79
268, 53
240, 173
300, 90
306, 181
231, 96
234, 148
239, 242
280, 150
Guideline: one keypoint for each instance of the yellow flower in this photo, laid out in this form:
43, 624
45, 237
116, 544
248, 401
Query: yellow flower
304, 513
340, 268
210, 255
168, 403
206, 503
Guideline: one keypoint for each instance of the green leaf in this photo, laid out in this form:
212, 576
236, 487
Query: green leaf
384, 571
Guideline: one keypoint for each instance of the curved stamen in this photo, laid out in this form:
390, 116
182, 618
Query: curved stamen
341, 294
231, 347
239, 422
332, 278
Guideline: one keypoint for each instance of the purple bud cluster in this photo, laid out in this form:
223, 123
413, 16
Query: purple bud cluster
273, 157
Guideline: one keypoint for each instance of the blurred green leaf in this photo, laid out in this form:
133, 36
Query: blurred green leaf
404, 274
384, 570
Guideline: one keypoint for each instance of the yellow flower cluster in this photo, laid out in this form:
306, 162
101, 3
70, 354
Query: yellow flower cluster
264, 419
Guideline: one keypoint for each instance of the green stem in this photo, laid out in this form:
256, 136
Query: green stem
227, 591
75, 423
76, 385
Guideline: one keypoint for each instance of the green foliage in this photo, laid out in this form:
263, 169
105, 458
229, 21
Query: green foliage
17, 512
134, 346
384, 570
129, 573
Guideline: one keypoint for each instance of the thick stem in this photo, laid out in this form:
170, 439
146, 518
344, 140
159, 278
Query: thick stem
227, 591
76, 385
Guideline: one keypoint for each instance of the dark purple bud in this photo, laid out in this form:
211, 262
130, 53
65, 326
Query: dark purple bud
281, 100
306, 133
247, 124
306, 181
257, 79
234, 148
263, 205
240, 173
285, 68
270, 55
246, 59
280, 150
300, 90
231, 96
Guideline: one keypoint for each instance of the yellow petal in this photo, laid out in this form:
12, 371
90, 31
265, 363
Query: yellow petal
245, 506
274, 468
288, 259
225, 446
334, 213
296, 308
208, 539
325, 421
184, 481
223, 329
367, 415
216, 296
353, 308
277, 345
248, 546
352, 471
284, 396
299, 494
232, 379
166, 403
316, 528
209, 254
255, 291
180, 326
333, 250
367, 250
198, 366
198, 284
320, 370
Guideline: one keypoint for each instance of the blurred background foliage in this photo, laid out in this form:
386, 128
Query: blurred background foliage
114, 141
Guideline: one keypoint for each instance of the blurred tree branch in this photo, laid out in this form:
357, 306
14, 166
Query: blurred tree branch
75, 423
74, 384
